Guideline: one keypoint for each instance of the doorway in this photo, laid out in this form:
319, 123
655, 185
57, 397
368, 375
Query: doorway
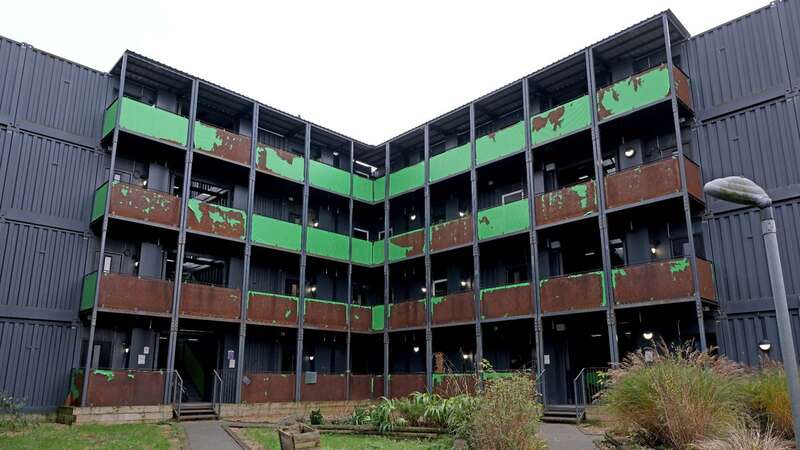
196, 356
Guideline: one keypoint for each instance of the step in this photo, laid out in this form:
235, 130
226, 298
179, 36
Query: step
560, 419
560, 413
184, 418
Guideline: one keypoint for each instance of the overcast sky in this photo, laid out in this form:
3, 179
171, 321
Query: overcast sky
369, 70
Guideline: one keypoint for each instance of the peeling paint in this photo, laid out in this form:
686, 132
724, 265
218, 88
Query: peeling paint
504, 219
109, 374
566, 203
634, 92
216, 219
280, 162
562, 120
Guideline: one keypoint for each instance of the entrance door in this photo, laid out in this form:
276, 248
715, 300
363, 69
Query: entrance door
556, 365
196, 356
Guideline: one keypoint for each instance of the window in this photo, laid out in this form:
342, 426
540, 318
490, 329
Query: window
107, 263
513, 196
617, 247
440, 287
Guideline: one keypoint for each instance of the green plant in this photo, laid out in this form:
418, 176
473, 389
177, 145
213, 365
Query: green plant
316, 417
506, 415
678, 398
11, 416
769, 399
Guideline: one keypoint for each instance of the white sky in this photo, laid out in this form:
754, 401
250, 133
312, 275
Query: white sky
332, 61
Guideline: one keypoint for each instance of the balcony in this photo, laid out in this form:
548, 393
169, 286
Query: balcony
507, 301
329, 178
147, 121
327, 244
271, 309
651, 181
561, 121
453, 308
128, 293
364, 189
501, 143
267, 387
119, 387
407, 179
201, 300
326, 388
136, 203
216, 220
403, 384
361, 318
281, 163
405, 314
276, 233
222, 144
661, 281
326, 314
453, 233
502, 220
577, 292
406, 245
568, 203
366, 387
452, 162
641, 90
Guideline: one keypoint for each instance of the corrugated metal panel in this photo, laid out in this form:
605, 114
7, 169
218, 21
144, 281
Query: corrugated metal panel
740, 264
789, 11
36, 359
62, 97
738, 64
738, 336
46, 181
760, 143
10, 62
41, 269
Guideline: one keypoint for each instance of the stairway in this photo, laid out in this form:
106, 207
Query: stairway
561, 414
197, 411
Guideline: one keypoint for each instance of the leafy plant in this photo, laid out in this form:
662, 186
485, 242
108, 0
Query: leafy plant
11, 416
506, 415
316, 417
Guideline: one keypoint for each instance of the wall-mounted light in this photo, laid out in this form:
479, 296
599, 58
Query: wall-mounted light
315, 224
125, 348
490, 183
413, 216
463, 283
653, 250
764, 345
629, 152
135, 263
144, 183
465, 356
335, 153
416, 349
311, 358
648, 335
424, 289
461, 214
312, 289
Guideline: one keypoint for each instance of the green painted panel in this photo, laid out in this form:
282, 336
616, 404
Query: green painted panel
449, 163
362, 252
379, 189
407, 179
327, 244
205, 137
329, 178
633, 92
500, 288
362, 189
500, 143
280, 162
561, 120
99, 203
218, 219
377, 252
504, 219
406, 245
88, 292
276, 233
154, 122
378, 321
110, 118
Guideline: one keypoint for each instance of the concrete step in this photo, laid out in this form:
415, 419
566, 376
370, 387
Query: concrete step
560, 419
197, 417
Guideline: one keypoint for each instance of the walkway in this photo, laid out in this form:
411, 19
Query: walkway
208, 436
561, 436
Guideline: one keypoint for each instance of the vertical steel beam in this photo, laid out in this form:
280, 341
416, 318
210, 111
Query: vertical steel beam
386, 381
248, 247
602, 219
532, 236
427, 247
687, 211
301, 302
348, 355
476, 252
103, 233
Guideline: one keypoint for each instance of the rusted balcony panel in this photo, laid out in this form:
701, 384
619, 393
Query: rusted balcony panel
401, 385
453, 308
134, 202
705, 273
452, 233
210, 301
655, 281
507, 301
215, 219
682, 89
130, 293
450, 385
123, 387
326, 314
222, 143
407, 314
694, 179
329, 387
566, 203
272, 309
360, 318
406, 245
260, 387
366, 387
572, 292
643, 182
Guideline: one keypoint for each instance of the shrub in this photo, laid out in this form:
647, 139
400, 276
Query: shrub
316, 417
769, 399
681, 397
743, 438
11, 415
506, 416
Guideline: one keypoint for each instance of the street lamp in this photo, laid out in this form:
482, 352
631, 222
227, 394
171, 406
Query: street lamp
744, 192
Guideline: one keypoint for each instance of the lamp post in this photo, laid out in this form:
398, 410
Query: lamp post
744, 192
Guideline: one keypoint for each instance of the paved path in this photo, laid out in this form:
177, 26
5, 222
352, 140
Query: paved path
208, 436
561, 436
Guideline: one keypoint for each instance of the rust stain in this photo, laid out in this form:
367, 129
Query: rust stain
366, 387
453, 308
651, 282
452, 233
124, 388
510, 302
602, 111
401, 385
329, 387
643, 182
407, 314
414, 243
268, 387
326, 314
572, 292
210, 301
271, 309
130, 293
554, 118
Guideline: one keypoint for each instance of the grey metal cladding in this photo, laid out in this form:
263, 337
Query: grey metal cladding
41, 270
62, 99
46, 181
738, 336
740, 266
738, 64
789, 12
10, 61
760, 143
36, 359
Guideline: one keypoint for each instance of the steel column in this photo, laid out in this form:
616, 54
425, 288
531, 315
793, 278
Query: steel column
476, 252
386, 381
427, 248
348, 355
301, 302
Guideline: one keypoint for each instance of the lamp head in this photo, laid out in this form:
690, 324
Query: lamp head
738, 190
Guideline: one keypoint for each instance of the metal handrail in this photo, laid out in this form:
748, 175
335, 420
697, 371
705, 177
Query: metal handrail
539, 384
177, 393
216, 397
579, 389
593, 384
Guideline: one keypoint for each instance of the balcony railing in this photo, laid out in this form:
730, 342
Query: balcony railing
201, 300
641, 90
267, 387
407, 179
328, 314
457, 307
403, 384
274, 309
327, 244
128, 293
366, 387
651, 181
217, 220
146, 120
452, 162
499, 144
574, 292
129, 201
406, 314
276, 233
281, 163
326, 387
118, 387
452, 233
666, 280
406, 245
361, 318
560, 121
221, 143
507, 301
504, 219
567, 203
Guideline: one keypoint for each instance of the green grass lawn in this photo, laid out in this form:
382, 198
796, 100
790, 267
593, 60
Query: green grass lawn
268, 439
129, 436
